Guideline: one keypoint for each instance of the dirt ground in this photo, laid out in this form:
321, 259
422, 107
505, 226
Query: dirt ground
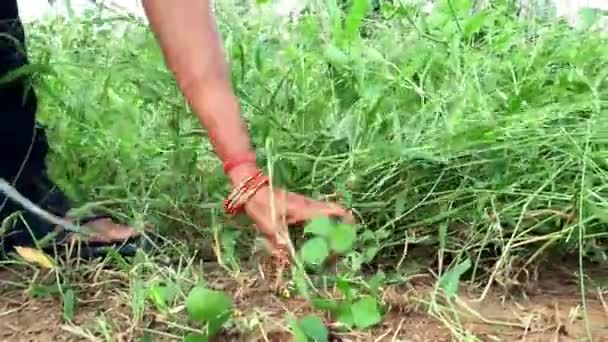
552, 311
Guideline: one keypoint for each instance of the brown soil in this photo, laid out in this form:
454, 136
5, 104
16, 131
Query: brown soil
553, 312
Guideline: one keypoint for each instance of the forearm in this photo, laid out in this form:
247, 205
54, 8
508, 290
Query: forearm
187, 34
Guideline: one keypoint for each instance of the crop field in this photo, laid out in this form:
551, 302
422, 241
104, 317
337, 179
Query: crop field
472, 147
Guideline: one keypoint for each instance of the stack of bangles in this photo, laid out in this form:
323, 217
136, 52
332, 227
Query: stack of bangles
235, 202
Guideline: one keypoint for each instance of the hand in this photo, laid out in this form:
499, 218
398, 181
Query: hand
273, 211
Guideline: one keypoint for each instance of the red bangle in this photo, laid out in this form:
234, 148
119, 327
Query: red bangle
235, 202
232, 163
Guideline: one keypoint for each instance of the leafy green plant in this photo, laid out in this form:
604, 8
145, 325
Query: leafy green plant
359, 307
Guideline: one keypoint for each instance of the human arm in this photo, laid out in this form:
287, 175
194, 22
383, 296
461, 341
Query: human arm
188, 36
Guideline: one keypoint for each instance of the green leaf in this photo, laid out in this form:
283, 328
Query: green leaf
342, 238
296, 331
345, 314
449, 280
314, 328
69, 304
208, 306
320, 226
365, 313
315, 251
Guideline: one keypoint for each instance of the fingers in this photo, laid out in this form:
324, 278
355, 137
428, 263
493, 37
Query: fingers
274, 212
269, 225
301, 209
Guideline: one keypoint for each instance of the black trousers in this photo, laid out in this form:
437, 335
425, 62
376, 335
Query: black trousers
23, 143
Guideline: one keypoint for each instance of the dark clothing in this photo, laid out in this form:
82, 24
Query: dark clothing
23, 143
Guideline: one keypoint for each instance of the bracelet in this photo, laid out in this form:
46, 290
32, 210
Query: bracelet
230, 164
236, 200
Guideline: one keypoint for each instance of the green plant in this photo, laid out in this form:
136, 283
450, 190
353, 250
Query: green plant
356, 308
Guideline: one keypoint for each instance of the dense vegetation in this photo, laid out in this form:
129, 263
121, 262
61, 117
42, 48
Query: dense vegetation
469, 137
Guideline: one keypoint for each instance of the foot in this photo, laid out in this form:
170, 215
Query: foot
105, 231
106, 235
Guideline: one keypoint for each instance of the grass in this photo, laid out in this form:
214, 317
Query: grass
472, 147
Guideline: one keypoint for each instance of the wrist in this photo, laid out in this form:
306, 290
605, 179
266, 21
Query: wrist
241, 172
240, 166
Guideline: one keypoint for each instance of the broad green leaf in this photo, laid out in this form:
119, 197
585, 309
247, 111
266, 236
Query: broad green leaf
315, 251
208, 306
320, 226
342, 238
449, 280
296, 331
314, 328
365, 312
69, 304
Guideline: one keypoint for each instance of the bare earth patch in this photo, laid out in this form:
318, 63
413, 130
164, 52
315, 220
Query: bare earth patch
553, 312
